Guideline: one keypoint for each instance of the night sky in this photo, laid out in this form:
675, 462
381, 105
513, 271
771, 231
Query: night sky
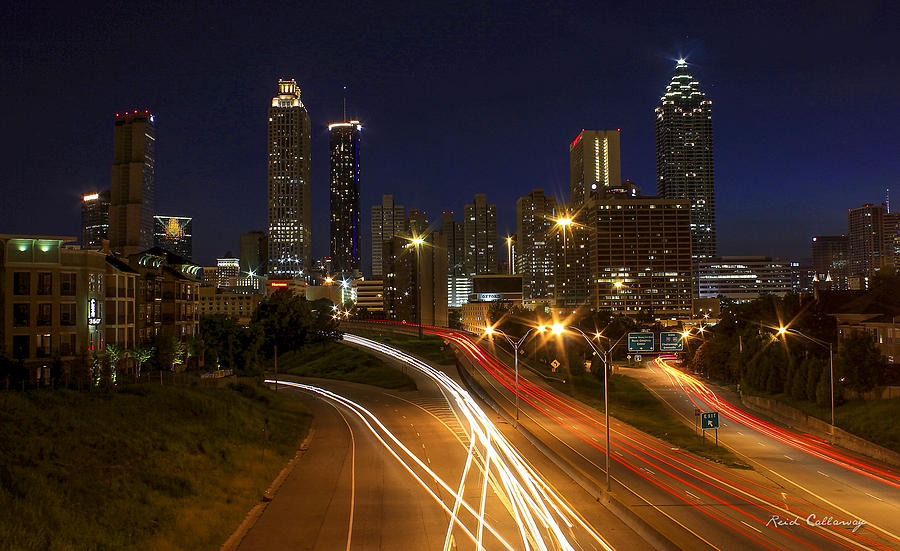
456, 99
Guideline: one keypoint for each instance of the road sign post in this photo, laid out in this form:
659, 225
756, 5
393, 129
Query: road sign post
671, 342
709, 420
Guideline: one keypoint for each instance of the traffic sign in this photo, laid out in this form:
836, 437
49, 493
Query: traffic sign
709, 420
670, 342
637, 357
641, 342
555, 364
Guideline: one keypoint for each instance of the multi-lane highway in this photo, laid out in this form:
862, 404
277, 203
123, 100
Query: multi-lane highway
696, 503
424, 470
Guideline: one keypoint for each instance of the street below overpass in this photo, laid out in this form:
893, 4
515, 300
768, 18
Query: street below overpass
406, 470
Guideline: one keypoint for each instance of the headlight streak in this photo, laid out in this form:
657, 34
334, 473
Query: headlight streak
540, 513
531, 497
542, 400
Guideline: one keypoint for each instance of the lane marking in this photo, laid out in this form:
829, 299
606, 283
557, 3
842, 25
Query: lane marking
754, 527
876, 497
823, 474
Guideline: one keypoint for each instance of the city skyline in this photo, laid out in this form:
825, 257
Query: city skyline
217, 162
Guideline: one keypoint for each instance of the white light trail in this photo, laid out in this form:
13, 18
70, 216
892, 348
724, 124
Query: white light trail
541, 515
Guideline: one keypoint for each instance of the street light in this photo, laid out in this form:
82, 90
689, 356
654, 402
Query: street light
509, 258
490, 331
559, 329
824, 344
417, 242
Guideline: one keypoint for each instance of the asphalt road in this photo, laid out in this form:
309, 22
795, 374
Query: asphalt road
810, 476
349, 490
696, 503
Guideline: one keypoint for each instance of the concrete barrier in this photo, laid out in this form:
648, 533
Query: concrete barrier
797, 419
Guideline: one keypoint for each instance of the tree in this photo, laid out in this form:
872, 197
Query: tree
290, 321
859, 362
114, 354
141, 355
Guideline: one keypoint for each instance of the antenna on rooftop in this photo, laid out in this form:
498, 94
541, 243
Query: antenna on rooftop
345, 103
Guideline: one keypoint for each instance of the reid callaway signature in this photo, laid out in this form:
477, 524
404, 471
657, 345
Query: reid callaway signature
812, 520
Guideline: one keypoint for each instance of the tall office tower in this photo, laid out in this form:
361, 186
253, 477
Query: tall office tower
594, 164
640, 256
572, 267
388, 220
866, 239
416, 281
535, 221
131, 195
290, 250
746, 278
228, 270
459, 285
254, 248
417, 222
830, 260
94, 219
345, 230
892, 238
480, 236
684, 157
174, 234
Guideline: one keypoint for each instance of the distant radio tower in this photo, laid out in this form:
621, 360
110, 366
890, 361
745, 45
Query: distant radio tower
345, 103
887, 199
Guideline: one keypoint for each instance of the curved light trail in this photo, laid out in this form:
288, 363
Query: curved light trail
542, 516
721, 494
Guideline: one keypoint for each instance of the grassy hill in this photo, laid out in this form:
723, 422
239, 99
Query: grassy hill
333, 360
147, 467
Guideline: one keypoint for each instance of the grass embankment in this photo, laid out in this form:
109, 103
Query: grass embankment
429, 347
630, 402
147, 467
874, 420
333, 360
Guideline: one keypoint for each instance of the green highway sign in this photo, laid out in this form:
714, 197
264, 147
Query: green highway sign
709, 420
641, 342
670, 342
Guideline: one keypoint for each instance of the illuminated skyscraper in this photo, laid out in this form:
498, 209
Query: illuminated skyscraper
289, 205
131, 196
684, 157
535, 222
345, 230
594, 164
94, 219
480, 236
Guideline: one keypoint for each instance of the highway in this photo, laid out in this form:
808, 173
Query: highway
858, 486
696, 503
395, 470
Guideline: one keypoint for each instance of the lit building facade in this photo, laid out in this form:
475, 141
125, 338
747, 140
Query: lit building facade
458, 283
640, 256
745, 278
254, 247
228, 270
684, 156
133, 177
594, 164
369, 295
571, 261
174, 234
58, 300
869, 244
535, 222
480, 236
289, 205
830, 259
416, 280
94, 219
237, 306
345, 210
167, 295
388, 220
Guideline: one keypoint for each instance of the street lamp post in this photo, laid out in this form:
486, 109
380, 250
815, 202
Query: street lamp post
824, 344
417, 242
515, 344
605, 357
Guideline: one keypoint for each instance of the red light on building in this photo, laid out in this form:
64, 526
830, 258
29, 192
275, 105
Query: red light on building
576, 140
278, 284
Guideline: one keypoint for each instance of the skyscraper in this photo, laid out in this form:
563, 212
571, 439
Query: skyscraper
535, 220
345, 231
388, 220
684, 157
866, 240
174, 234
480, 236
459, 285
254, 247
830, 260
131, 194
289, 205
594, 164
94, 219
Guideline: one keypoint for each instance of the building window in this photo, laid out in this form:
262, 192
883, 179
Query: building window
45, 283
44, 314
21, 315
20, 346
22, 283
67, 313
43, 346
67, 285
67, 345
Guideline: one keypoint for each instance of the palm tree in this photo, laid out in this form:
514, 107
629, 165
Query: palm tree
114, 353
141, 355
